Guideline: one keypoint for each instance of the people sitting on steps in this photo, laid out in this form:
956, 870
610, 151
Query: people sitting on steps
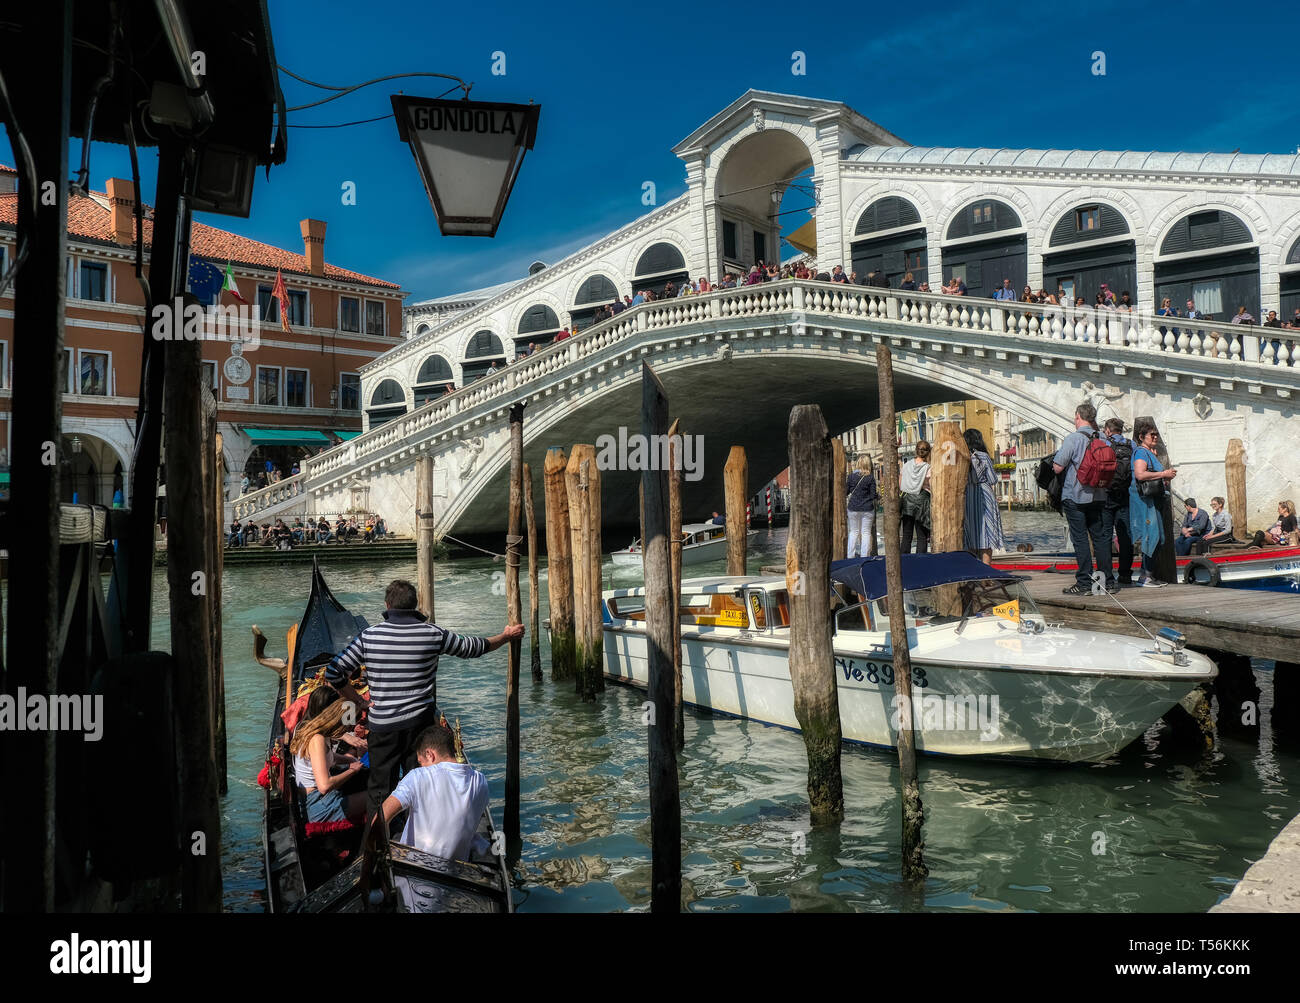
1196, 523
1283, 531
1220, 527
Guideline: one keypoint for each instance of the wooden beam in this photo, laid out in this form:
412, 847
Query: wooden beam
582, 460
217, 538
675, 556
735, 476
514, 615
426, 544
1234, 470
559, 564
534, 638
839, 502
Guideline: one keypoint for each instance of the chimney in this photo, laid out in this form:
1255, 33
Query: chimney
313, 241
121, 200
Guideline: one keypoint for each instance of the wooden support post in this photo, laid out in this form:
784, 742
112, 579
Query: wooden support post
216, 541
581, 461
949, 473
660, 617
807, 574
535, 643
189, 576
595, 581
1286, 698
38, 75
914, 869
675, 556
839, 502
1166, 562
1238, 694
426, 543
735, 476
559, 564
1234, 471
514, 615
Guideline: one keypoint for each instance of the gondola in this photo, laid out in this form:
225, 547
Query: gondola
337, 866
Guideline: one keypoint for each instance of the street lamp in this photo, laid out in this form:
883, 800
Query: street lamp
469, 154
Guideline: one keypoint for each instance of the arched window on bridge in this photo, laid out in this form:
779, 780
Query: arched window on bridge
890, 238
1090, 245
388, 401
658, 265
1209, 258
433, 380
538, 326
596, 292
985, 244
1289, 301
483, 351
422, 328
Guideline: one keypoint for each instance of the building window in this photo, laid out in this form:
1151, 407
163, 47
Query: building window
66, 370
959, 272
1087, 219
268, 385
94, 280
760, 247
295, 387
1208, 297
211, 378
349, 314
94, 374
298, 307
4, 360
350, 392
729, 242
375, 317
268, 305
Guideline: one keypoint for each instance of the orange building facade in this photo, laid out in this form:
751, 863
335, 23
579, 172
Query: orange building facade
292, 394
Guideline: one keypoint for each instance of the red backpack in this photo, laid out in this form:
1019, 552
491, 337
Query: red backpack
1097, 468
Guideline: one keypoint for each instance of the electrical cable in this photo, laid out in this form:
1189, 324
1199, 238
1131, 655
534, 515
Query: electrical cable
23, 155
344, 91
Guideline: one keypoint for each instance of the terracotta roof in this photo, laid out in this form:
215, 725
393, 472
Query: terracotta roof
89, 220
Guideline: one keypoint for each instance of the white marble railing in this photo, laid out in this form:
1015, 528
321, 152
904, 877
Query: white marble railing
1245, 352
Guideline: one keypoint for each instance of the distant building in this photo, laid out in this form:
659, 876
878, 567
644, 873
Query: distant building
915, 424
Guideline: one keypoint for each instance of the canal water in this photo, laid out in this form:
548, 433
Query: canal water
1159, 828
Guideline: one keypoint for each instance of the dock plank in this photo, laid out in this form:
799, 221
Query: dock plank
1259, 625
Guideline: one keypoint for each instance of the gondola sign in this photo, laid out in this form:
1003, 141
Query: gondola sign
469, 153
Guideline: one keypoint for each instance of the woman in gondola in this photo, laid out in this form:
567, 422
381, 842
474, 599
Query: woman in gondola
315, 762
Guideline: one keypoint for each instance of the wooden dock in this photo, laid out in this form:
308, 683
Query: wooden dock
1245, 622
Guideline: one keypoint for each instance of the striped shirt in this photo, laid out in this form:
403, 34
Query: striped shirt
401, 660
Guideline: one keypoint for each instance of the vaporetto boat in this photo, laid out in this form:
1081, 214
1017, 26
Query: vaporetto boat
701, 542
990, 676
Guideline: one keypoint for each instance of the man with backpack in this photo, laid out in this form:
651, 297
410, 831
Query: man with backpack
1115, 508
1087, 461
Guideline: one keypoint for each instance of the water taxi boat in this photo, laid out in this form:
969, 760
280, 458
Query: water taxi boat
1237, 566
338, 866
701, 542
990, 676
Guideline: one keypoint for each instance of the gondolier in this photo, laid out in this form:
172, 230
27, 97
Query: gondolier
401, 660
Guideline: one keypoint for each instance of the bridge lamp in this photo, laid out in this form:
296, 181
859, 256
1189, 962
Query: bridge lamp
469, 154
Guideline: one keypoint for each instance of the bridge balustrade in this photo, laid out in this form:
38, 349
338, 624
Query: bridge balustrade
1139, 332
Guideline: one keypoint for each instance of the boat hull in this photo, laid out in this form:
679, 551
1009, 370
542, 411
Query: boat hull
696, 553
960, 710
1275, 569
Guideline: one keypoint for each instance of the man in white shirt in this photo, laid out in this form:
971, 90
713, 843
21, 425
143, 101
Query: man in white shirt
444, 798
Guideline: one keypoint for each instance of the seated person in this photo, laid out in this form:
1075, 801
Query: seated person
323, 533
314, 760
236, 538
353, 528
368, 530
445, 798
718, 520
268, 533
380, 529
1286, 523
341, 530
1196, 524
1220, 526
283, 535
299, 533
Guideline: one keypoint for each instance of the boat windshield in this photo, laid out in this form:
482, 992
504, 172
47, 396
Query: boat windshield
965, 601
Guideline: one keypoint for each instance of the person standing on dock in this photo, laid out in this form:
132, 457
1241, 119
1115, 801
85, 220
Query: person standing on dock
914, 486
1150, 482
1115, 509
863, 496
982, 526
1082, 498
401, 659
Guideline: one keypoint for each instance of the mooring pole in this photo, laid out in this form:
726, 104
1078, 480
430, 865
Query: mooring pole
514, 615
535, 644
38, 78
660, 614
675, 556
839, 502
218, 572
914, 869
596, 662
425, 540
1234, 471
577, 482
735, 476
559, 564
808, 577
949, 474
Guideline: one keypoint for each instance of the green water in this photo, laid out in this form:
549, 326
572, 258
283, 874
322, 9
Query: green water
1178, 828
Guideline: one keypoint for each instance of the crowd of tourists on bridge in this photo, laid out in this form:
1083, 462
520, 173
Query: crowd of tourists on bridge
1109, 488
284, 536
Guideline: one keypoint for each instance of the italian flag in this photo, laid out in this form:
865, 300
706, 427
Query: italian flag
229, 284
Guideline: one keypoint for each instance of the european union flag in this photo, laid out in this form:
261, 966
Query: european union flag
205, 280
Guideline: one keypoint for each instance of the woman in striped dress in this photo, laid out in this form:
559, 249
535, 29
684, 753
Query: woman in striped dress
983, 523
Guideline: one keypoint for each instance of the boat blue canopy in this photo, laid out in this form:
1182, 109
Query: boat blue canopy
866, 575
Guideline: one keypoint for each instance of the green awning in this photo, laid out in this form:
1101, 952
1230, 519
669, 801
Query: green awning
345, 436
286, 437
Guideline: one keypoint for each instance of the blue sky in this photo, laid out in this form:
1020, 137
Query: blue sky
619, 86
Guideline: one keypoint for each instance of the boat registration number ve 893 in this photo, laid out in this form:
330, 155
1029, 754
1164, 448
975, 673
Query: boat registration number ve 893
876, 672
